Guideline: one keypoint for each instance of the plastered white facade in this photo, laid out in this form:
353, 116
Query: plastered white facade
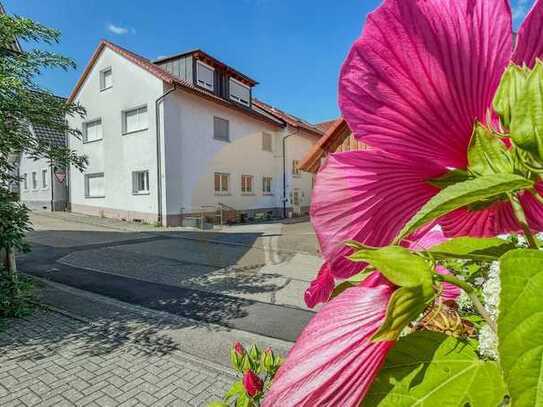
190, 156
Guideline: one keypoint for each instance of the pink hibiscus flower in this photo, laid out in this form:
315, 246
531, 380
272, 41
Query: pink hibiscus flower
412, 88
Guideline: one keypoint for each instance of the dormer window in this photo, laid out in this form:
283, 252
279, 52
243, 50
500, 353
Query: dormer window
240, 92
205, 76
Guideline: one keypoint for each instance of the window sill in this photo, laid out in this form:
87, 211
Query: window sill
104, 89
141, 193
95, 197
223, 194
248, 194
135, 131
267, 193
221, 140
92, 141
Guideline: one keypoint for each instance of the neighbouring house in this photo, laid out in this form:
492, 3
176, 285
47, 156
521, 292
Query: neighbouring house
43, 185
337, 138
176, 138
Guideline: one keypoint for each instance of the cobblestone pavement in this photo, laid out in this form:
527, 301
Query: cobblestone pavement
51, 359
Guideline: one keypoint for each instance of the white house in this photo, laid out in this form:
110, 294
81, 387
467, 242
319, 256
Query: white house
43, 185
170, 139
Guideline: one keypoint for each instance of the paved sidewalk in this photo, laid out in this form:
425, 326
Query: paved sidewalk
51, 359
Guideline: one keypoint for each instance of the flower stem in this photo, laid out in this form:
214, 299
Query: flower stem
470, 290
518, 211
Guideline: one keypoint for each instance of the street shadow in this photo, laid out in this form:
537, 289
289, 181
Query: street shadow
227, 263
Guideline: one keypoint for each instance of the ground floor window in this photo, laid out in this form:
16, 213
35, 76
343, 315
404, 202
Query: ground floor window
95, 185
140, 182
44, 177
25, 182
246, 184
222, 182
267, 185
34, 180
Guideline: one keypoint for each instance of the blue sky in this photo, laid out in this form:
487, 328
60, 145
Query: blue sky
294, 48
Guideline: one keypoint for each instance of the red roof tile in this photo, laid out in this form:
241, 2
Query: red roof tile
290, 119
168, 78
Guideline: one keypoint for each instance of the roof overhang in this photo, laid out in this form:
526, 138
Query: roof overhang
334, 137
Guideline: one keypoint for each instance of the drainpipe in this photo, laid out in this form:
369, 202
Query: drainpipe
285, 174
159, 152
52, 188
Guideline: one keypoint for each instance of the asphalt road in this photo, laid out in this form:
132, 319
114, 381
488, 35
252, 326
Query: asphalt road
249, 278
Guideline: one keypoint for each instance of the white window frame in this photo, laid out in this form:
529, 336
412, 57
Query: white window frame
34, 181
44, 178
237, 98
125, 115
202, 83
135, 182
244, 185
269, 184
103, 79
264, 136
227, 139
85, 127
94, 175
221, 190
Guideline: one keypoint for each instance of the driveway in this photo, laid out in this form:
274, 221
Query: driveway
248, 277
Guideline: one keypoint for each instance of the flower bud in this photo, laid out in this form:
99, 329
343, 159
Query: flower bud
268, 359
236, 360
239, 349
252, 383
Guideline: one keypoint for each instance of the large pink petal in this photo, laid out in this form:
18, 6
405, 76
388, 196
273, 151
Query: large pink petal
532, 208
423, 72
333, 362
530, 37
320, 288
493, 221
367, 196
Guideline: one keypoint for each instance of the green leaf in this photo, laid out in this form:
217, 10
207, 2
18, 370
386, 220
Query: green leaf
351, 282
527, 118
487, 155
428, 369
464, 194
237, 388
217, 404
510, 90
520, 325
397, 264
405, 305
472, 248
450, 178
243, 401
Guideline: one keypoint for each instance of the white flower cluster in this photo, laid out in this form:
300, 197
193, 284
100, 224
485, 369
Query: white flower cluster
488, 341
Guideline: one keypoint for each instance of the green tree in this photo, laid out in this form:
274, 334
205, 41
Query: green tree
23, 103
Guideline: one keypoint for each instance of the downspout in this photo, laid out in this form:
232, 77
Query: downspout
285, 173
52, 188
159, 153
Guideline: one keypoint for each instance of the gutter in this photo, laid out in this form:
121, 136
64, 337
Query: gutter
159, 151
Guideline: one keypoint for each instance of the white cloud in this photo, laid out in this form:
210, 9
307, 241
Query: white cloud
115, 29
